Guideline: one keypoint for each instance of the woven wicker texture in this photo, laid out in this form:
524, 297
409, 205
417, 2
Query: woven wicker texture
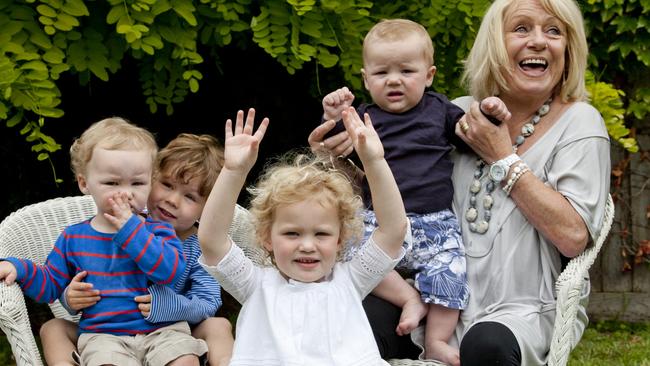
31, 231
569, 289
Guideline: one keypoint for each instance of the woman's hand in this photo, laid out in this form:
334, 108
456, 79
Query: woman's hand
337, 145
488, 141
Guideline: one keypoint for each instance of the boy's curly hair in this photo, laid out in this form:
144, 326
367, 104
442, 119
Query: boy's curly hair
190, 156
298, 176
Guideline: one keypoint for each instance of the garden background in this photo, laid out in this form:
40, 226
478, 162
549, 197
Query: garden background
187, 65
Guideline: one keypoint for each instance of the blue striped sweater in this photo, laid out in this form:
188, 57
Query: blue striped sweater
120, 265
195, 297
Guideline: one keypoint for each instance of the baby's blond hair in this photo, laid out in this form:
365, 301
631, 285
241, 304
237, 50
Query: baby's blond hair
112, 134
392, 30
190, 156
298, 176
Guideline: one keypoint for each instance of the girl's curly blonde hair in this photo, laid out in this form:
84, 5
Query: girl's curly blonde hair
298, 176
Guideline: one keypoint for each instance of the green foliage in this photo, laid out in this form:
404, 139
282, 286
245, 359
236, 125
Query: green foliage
42, 39
608, 101
619, 39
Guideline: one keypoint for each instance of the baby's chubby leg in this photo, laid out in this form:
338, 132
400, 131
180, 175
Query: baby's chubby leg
441, 323
394, 289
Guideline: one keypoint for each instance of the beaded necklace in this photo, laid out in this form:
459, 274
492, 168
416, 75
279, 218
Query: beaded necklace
472, 213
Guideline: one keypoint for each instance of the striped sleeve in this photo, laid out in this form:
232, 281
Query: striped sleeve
196, 300
154, 247
44, 283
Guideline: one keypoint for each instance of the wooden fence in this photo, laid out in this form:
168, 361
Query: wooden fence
620, 287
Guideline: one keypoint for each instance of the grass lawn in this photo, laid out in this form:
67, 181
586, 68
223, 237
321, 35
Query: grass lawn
613, 343
606, 343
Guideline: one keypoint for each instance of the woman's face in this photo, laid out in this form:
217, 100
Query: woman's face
536, 43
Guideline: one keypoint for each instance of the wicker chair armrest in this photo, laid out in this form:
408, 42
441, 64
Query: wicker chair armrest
404, 362
14, 323
573, 289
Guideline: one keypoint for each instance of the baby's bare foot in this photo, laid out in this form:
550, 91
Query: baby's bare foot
443, 352
412, 312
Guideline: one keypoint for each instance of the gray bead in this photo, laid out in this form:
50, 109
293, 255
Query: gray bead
487, 215
478, 173
543, 110
490, 186
519, 140
482, 226
488, 201
527, 129
471, 214
475, 187
472, 201
535, 120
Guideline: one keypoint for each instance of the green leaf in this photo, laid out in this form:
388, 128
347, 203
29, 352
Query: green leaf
75, 8
46, 11
194, 85
13, 121
43, 156
115, 14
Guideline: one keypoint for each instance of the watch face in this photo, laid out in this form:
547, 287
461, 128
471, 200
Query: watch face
497, 172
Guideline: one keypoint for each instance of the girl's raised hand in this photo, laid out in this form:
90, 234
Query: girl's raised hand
242, 144
365, 140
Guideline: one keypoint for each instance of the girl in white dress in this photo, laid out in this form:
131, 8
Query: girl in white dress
306, 309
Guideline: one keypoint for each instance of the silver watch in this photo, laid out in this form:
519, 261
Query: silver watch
499, 169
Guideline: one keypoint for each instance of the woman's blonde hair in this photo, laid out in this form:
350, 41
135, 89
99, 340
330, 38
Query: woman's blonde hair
299, 176
112, 134
190, 156
392, 30
488, 61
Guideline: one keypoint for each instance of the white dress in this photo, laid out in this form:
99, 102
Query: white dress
286, 322
512, 268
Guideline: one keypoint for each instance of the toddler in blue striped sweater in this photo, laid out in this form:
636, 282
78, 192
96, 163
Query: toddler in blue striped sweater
120, 252
185, 172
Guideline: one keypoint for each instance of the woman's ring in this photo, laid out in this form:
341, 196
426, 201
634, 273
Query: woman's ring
464, 126
322, 145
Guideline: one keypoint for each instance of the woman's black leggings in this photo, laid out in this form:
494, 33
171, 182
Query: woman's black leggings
384, 317
489, 343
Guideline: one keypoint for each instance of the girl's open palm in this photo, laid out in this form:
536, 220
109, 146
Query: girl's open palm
242, 144
364, 137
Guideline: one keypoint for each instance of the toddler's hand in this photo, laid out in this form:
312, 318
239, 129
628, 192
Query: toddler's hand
494, 106
8, 272
80, 295
144, 304
364, 137
336, 102
241, 147
120, 208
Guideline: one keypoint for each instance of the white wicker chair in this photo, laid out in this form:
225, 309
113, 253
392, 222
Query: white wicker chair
31, 231
570, 286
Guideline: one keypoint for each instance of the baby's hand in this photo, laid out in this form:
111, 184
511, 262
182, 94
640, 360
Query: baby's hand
336, 102
241, 147
120, 208
8, 272
494, 106
144, 304
80, 295
364, 137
